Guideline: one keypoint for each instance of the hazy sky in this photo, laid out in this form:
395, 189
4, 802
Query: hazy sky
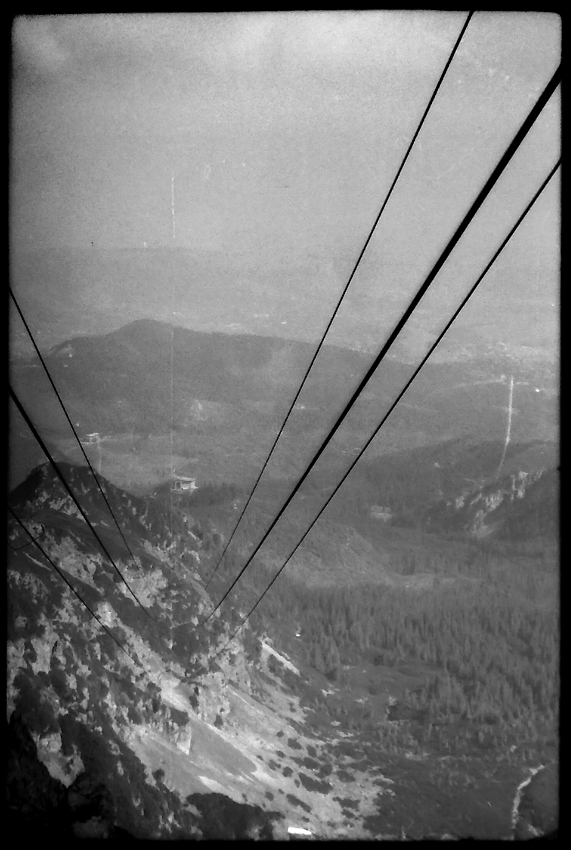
284, 132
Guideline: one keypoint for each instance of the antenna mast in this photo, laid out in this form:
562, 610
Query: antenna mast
508, 431
171, 482
172, 210
172, 329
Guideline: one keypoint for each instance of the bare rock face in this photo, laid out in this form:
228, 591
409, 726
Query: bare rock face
183, 740
178, 732
538, 811
521, 503
61, 767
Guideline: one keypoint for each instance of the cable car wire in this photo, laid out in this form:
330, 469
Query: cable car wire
347, 285
46, 451
69, 584
403, 391
63, 407
477, 203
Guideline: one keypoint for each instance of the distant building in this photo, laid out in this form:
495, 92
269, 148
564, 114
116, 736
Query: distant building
378, 512
92, 438
182, 483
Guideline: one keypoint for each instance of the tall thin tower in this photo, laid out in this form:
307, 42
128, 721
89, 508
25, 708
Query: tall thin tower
172, 210
173, 219
172, 379
509, 426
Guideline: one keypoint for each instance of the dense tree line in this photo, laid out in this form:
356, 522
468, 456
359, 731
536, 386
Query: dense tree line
490, 648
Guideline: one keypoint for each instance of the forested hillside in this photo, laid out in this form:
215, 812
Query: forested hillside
484, 635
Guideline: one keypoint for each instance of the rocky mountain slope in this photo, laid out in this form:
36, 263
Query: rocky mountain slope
153, 723
136, 723
69, 291
453, 486
519, 506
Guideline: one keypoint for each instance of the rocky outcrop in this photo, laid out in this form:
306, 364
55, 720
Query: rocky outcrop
501, 507
179, 733
536, 805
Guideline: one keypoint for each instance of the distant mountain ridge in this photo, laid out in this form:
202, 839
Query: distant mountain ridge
120, 380
69, 291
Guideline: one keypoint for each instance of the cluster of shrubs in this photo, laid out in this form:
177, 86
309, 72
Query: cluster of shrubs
295, 801
37, 714
314, 784
224, 819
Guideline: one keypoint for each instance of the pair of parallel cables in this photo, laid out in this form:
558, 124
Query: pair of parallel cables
485, 191
494, 177
61, 477
37, 543
396, 401
71, 425
344, 292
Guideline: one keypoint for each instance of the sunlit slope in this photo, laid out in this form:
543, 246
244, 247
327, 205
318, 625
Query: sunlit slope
350, 645
102, 715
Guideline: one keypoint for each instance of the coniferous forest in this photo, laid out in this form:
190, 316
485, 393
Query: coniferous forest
482, 641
